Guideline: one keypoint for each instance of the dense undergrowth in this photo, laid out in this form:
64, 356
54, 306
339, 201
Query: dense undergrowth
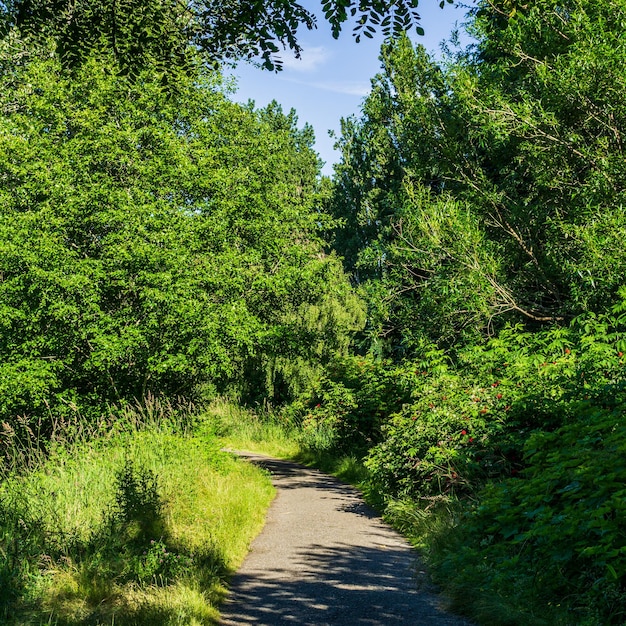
504, 466
140, 524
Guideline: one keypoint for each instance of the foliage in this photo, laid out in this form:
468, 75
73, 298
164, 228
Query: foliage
545, 546
436, 425
152, 243
469, 422
344, 409
137, 508
139, 527
487, 188
561, 522
162, 35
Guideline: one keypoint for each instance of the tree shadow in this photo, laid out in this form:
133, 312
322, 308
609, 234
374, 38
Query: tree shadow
341, 585
129, 572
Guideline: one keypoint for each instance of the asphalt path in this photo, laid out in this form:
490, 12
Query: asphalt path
325, 558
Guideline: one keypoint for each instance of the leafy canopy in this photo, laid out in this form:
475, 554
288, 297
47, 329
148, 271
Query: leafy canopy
153, 243
165, 32
490, 188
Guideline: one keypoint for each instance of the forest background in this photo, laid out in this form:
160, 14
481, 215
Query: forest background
449, 309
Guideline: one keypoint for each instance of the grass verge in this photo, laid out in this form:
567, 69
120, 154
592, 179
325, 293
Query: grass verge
263, 430
138, 528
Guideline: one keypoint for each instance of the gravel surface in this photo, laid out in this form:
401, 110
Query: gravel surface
325, 557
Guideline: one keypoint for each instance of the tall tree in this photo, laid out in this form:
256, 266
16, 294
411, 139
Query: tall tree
490, 187
151, 242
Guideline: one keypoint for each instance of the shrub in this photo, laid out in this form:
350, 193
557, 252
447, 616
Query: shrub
553, 535
468, 422
345, 409
137, 510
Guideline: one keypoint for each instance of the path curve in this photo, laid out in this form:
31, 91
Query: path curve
326, 558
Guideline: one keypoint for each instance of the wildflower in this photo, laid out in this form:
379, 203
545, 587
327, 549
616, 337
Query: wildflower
464, 432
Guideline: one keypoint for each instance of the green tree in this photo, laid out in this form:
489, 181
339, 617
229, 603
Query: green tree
411, 242
549, 125
151, 243
489, 188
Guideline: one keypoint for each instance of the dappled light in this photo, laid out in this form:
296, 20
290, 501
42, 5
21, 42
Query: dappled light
325, 557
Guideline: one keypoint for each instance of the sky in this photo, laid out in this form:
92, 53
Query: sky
332, 78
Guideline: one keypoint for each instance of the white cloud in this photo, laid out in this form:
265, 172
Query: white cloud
349, 88
311, 60
360, 89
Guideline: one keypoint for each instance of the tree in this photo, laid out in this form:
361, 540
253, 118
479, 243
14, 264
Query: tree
153, 243
411, 245
490, 188
166, 32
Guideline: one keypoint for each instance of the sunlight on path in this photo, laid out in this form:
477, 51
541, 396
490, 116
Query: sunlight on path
324, 557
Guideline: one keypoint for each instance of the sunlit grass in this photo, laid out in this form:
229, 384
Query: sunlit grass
57, 514
270, 433
261, 431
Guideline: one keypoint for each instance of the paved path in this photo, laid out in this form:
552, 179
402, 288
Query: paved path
326, 558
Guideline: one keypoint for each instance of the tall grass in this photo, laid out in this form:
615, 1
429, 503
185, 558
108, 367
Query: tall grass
260, 430
139, 522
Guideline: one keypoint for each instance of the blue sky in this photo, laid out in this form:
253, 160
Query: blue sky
333, 76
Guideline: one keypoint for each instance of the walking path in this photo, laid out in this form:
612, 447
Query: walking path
326, 558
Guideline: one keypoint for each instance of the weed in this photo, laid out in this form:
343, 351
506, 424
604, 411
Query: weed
136, 514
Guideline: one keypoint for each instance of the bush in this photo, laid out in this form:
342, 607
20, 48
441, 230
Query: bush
469, 422
345, 409
137, 511
553, 535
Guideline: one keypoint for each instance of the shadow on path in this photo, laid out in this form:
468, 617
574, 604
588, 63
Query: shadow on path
324, 557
